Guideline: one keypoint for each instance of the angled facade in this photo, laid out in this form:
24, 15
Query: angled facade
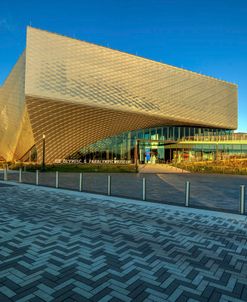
79, 94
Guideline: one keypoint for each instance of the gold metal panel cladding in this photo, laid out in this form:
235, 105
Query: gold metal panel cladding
68, 127
62, 68
26, 140
12, 108
77, 93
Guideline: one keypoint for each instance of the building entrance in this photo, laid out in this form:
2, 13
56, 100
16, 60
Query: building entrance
152, 151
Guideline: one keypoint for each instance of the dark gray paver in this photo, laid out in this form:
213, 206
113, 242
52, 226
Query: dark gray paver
5, 184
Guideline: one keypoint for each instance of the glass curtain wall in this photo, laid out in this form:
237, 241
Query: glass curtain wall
149, 142
205, 151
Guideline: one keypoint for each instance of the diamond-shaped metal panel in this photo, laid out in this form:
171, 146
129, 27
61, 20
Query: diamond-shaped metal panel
67, 69
13, 113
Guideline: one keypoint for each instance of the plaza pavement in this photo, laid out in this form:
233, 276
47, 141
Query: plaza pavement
208, 191
59, 245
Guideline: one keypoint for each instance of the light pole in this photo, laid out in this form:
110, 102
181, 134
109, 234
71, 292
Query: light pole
43, 154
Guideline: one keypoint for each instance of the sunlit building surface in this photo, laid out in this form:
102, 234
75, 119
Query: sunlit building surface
94, 103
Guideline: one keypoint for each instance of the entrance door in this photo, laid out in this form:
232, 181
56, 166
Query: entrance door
150, 152
168, 154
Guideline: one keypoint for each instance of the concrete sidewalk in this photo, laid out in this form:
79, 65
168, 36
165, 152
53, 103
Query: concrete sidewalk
159, 168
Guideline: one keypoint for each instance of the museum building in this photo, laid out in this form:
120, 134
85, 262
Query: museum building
93, 103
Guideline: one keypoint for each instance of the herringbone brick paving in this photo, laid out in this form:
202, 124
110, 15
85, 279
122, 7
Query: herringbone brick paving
58, 246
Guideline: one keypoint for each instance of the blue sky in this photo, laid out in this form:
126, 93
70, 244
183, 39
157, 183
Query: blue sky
208, 36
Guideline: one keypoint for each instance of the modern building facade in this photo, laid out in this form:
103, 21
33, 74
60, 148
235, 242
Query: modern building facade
96, 103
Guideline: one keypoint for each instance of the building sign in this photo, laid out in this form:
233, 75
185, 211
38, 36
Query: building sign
92, 161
